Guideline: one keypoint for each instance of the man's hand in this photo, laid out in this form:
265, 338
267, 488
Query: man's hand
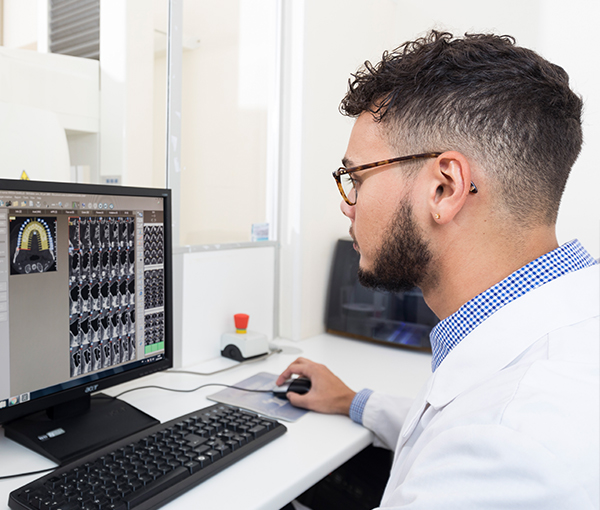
328, 394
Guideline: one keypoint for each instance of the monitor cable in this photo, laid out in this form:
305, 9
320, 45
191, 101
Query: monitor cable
187, 391
253, 360
5, 477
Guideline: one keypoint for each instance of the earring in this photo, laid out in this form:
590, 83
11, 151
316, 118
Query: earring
437, 216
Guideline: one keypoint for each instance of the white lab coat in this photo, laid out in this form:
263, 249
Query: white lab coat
511, 418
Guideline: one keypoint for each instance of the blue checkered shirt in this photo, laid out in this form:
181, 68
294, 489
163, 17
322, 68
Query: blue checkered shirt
447, 334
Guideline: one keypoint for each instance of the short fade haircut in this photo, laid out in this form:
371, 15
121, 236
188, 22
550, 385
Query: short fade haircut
502, 106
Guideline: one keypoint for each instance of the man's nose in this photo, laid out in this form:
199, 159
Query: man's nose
347, 210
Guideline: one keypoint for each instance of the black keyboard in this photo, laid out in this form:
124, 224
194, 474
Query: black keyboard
153, 467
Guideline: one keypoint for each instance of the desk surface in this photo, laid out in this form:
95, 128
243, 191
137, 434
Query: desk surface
274, 475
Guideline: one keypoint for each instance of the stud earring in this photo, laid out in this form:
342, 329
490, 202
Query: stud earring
437, 216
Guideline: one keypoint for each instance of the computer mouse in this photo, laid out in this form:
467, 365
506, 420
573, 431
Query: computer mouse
300, 385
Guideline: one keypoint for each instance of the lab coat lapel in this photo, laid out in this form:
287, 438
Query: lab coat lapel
504, 336
414, 414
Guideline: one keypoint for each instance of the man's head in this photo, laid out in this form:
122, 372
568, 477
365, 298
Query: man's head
502, 106
508, 112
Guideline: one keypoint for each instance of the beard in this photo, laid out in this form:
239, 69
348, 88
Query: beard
404, 260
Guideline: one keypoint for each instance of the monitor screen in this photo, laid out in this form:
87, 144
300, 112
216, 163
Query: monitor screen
400, 319
85, 290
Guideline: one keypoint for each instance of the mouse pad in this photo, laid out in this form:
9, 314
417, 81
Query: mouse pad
263, 403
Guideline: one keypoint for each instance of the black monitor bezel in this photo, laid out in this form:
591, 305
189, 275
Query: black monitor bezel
11, 413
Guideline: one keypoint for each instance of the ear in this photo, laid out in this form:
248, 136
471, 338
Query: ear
449, 188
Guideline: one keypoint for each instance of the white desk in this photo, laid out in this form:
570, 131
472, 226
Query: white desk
277, 473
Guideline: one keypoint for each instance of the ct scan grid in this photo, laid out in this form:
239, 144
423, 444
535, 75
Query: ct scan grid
154, 306
101, 292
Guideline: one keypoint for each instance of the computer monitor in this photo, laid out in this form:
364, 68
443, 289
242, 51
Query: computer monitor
85, 304
400, 319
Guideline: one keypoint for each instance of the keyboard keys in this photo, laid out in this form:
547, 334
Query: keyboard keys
257, 430
192, 466
178, 453
203, 460
194, 440
145, 493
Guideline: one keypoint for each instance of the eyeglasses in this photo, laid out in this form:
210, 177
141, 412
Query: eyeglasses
346, 185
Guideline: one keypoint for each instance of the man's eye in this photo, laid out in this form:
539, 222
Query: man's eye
348, 180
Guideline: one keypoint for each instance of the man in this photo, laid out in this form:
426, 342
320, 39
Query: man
510, 415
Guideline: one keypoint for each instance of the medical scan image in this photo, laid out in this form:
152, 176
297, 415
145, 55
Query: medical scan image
32, 245
153, 289
154, 292
101, 292
153, 245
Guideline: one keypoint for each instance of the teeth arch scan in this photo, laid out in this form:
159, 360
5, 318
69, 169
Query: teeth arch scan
33, 243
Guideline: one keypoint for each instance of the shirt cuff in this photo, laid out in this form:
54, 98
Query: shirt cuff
357, 407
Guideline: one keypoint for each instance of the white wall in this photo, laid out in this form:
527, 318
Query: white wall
126, 90
567, 37
20, 24
159, 125
20, 126
336, 38
225, 119
64, 85
332, 39
210, 287
54, 100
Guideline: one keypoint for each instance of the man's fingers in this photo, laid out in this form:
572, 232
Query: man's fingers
298, 400
296, 367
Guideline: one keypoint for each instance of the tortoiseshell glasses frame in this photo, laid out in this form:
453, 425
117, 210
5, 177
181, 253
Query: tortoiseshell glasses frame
337, 175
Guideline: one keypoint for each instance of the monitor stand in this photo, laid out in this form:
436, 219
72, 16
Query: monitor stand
69, 431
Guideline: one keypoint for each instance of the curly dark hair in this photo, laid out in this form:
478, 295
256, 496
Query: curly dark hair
505, 107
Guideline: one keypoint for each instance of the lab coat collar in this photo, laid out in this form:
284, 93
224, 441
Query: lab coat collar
504, 336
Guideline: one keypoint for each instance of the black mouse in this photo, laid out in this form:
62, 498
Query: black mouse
300, 385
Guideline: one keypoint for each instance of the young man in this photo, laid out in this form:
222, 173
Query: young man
455, 169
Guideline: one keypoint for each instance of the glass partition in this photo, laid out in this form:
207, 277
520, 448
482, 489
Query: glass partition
82, 93
229, 120
83, 96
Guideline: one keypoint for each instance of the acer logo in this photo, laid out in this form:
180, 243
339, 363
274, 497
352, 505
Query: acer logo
89, 389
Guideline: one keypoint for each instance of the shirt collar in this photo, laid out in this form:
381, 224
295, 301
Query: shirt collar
448, 333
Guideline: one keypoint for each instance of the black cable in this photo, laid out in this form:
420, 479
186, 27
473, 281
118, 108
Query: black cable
143, 388
6, 477
253, 360
191, 390
276, 351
